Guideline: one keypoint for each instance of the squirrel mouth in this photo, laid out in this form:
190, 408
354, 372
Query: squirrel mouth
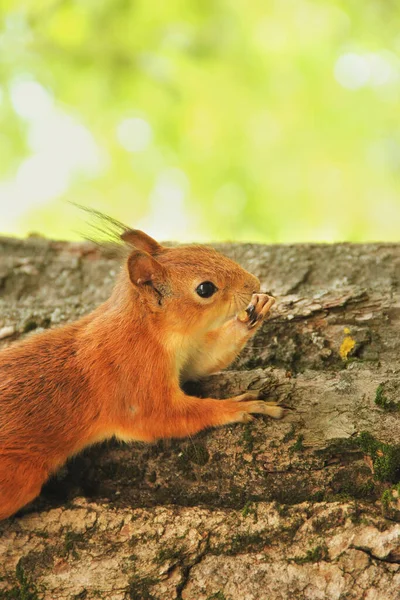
241, 302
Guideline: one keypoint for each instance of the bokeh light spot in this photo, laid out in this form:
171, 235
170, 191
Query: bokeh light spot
134, 134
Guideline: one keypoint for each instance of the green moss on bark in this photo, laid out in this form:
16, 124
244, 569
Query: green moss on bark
24, 589
385, 457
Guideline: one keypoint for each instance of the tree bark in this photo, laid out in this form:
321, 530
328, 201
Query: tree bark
303, 508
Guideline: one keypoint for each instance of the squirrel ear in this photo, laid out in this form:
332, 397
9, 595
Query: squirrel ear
140, 240
144, 270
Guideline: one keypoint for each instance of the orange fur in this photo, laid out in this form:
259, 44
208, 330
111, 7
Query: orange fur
117, 371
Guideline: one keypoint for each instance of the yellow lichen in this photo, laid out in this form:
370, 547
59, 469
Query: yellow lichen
347, 344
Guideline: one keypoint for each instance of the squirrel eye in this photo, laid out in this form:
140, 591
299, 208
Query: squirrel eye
206, 289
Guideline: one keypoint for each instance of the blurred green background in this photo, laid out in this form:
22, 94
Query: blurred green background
270, 121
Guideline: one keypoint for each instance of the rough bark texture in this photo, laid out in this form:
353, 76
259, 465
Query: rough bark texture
303, 508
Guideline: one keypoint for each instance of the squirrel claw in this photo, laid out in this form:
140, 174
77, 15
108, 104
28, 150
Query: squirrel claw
250, 311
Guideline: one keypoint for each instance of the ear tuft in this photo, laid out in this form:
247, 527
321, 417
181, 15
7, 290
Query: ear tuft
142, 241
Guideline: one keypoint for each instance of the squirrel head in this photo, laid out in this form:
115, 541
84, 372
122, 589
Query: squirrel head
192, 287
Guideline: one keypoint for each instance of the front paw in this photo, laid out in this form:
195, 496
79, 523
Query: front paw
250, 402
272, 409
258, 308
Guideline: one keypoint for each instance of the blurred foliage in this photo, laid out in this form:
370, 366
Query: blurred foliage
272, 121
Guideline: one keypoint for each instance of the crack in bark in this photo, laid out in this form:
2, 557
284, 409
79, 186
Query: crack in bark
186, 569
368, 552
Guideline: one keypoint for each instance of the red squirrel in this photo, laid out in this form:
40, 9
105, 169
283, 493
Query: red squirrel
175, 314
